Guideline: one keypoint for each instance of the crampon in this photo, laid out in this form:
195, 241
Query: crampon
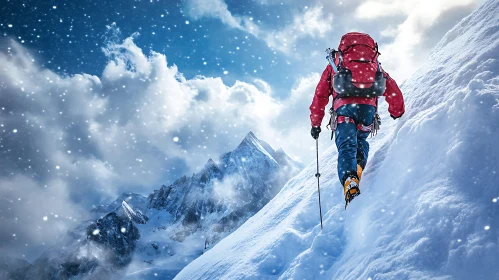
351, 190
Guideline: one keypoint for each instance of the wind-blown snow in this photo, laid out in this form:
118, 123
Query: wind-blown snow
427, 207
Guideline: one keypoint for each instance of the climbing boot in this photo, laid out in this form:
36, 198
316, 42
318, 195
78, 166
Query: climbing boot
350, 189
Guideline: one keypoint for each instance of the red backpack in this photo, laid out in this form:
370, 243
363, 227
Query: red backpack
357, 70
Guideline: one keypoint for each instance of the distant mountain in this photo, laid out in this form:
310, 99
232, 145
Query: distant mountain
158, 235
221, 196
191, 215
137, 200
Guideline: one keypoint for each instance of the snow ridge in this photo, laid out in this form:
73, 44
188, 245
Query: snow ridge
428, 208
135, 216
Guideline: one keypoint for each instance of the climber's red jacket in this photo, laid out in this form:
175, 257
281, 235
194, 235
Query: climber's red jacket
392, 95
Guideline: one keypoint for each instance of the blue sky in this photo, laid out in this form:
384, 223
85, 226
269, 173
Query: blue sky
102, 97
68, 36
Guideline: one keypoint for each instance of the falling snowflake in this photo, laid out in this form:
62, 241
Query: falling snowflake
45, 218
96, 231
175, 139
123, 230
15, 130
487, 227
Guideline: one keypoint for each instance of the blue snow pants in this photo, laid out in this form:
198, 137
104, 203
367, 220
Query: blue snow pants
352, 145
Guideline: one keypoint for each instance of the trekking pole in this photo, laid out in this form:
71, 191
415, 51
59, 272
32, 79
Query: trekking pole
318, 175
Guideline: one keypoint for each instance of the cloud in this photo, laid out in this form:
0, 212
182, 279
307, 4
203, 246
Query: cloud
293, 122
140, 124
226, 190
406, 48
213, 8
198, 9
406, 30
312, 23
34, 215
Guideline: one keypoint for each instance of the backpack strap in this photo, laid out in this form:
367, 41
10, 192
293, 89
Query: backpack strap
341, 58
332, 119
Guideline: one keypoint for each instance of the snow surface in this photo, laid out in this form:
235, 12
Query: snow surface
428, 208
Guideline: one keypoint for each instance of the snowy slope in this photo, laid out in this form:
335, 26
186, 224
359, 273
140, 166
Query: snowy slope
428, 206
